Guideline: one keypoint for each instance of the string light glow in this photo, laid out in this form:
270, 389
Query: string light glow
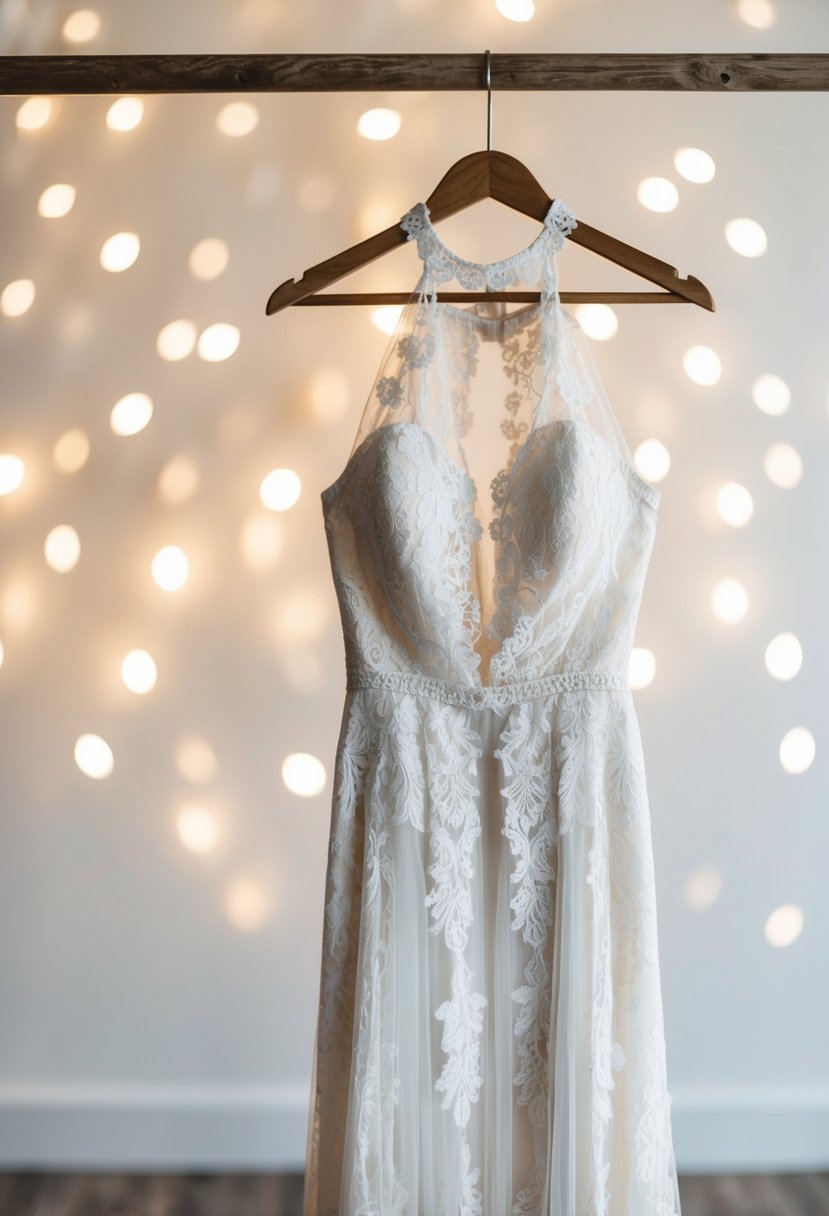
746, 237
93, 756
120, 251
694, 165
784, 656
702, 365
783, 465
658, 194
138, 671
734, 504
237, 118
33, 114
170, 568
197, 828
729, 601
131, 414
797, 750
598, 321
379, 123
641, 668
11, 472
17, 297
125, 114
784, 926
652, 460
303, 774
280, 489
56, 201
62, 548
218, 342
771, 394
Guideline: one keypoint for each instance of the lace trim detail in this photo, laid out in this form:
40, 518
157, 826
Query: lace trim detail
496, 697
443, 263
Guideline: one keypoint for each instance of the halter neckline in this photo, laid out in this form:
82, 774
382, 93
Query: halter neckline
558, 222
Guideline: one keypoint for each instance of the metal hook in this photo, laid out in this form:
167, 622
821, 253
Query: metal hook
488, 104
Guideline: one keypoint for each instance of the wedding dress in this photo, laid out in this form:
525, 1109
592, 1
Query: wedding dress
489, 1039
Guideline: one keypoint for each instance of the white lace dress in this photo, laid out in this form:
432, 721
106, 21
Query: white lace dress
490, 1031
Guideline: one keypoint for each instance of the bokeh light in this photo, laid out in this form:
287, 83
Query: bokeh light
17, 297
734, 504
56, 201
385, 317
197, 828
379, 123
125, 114
598, 321
641, 667
196, 760
759, 14
702, 365
209, 258
280, 489
94, 757
178, 479
784, 656
694, 165
218, 342
303, 774
703, 887
138, 671
246, 903
658, 194
81, 26
237, 118
784, 925
783, 465
12, 470
516, 10
652, 460
131, 414
62, 548
170, 568
120, 251
746, 237
771, 394
176, 340
729, 601
33, 114
797, 750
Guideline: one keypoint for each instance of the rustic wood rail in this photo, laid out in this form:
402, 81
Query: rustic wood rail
336, 73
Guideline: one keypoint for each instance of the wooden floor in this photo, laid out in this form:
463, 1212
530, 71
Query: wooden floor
30, 1194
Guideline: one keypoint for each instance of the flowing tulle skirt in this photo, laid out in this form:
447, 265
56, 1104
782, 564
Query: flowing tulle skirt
490, 1033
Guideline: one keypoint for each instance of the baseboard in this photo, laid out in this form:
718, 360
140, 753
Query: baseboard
263, 1128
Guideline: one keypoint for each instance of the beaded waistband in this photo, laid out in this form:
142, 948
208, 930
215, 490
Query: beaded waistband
494, 696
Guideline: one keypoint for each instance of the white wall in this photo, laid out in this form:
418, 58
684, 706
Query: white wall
139, 1023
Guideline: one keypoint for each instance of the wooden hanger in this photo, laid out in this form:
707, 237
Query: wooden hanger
501, 177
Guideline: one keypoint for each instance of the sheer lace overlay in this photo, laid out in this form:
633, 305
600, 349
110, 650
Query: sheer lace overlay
489, 1039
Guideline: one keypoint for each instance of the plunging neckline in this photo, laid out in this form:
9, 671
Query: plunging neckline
470, 528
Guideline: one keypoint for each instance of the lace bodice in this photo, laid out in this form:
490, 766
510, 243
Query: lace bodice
545, 577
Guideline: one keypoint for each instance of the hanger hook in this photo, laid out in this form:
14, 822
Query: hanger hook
488, 104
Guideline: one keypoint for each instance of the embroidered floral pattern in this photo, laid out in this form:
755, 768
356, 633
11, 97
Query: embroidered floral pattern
390, 391
452, 837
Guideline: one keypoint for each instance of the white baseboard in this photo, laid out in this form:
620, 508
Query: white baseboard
263, 1128
751, 1129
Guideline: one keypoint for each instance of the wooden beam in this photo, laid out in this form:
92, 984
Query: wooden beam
341, 73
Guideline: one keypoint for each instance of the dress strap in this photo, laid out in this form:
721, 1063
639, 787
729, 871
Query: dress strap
526, 266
